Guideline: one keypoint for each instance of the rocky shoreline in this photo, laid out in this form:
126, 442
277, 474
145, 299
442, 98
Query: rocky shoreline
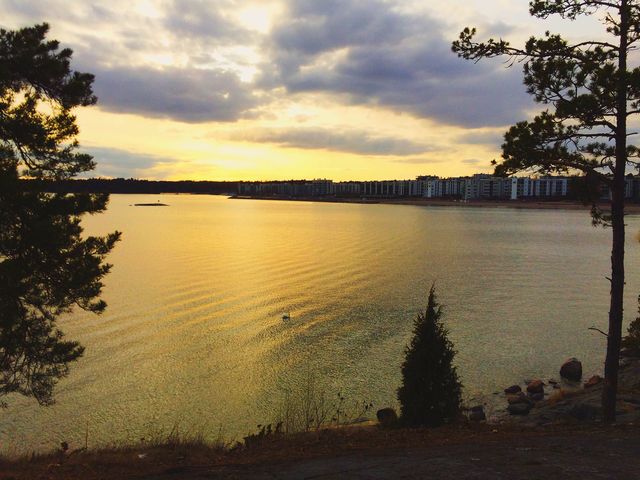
559, 435
630, 208
537, 402
540, 403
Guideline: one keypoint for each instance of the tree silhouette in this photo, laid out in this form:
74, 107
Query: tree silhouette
593, 92
430, 394
46, 266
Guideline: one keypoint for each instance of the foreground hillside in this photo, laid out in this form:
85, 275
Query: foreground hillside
550, 440
460, 452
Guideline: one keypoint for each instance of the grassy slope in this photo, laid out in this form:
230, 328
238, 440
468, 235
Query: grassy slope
176, 456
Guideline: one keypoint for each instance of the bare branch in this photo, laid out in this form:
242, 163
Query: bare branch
599, 331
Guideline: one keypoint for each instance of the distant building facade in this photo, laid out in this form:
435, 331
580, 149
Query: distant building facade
476, 187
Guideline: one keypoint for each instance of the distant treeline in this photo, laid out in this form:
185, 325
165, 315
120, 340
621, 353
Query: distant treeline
130, 185
578, 188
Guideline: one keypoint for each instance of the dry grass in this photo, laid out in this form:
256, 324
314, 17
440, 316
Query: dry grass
150, 455
310, 409
305, 418
154, 453
182, 455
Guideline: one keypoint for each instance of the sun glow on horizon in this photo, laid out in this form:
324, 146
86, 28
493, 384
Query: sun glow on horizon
272, 89
218, 152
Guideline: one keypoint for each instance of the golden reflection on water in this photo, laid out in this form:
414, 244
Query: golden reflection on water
194, 333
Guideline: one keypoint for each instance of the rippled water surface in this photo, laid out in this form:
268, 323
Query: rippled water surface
193, 334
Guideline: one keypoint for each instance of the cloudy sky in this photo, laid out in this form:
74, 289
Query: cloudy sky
266, 89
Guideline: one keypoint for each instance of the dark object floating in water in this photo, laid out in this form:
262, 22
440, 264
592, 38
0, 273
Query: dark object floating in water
150, 204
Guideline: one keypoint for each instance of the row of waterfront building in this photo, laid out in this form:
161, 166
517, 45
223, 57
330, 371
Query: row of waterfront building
479, 186
475, 187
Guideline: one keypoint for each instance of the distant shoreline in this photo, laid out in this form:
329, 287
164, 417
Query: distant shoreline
631, 208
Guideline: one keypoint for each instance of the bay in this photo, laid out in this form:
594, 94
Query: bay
193, 336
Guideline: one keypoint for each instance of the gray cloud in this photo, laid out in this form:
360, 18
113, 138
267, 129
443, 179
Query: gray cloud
479, 165
366, 53
314, 27
184, 94
116, 163
59, 11
472, 161
204, 89
204, 20
498, 29
341, 141
390, 59
419, 160
482, 138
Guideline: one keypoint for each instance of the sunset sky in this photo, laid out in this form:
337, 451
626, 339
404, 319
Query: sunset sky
278, 89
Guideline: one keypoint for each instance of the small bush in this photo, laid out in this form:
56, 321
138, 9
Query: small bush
430, 394
264, 432
307, 407
631, 342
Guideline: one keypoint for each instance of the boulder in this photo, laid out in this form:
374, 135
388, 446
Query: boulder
519, 409
593, 381
536, 397
387, 417
477, 414
571, 370
512, 389
535, 386
519, 397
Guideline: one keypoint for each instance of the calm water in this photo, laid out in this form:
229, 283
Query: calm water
193, 334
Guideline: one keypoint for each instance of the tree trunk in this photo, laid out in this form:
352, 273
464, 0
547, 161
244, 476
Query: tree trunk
616, 307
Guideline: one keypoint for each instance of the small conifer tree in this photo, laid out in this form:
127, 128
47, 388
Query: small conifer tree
430, 394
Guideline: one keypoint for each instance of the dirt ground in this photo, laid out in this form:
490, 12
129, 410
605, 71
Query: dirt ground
458, 452
561, 437
610, 455
551, 441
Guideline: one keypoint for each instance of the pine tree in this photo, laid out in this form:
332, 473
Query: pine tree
430, 394
592, 92
47, 266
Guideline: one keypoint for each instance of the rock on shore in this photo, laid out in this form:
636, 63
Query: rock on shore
571, 370
387, 417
